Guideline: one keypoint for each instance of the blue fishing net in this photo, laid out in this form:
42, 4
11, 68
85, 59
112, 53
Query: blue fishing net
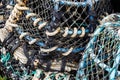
101, 57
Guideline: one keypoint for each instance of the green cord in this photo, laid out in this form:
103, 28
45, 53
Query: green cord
5, 58
63, 77
51, 76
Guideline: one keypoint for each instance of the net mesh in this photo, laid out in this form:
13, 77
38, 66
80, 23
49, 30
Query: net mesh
63, 14
66, 15
100, 60
17, 71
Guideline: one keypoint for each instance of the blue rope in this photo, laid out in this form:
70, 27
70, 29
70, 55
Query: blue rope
85, 3
42, 44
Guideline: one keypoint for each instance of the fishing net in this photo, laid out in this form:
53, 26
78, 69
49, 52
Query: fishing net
101, 58
17, 71
50, 34
62, 25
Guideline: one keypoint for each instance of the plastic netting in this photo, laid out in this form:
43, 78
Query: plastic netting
101, 57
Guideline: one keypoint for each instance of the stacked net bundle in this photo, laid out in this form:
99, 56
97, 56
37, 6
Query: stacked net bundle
102, 55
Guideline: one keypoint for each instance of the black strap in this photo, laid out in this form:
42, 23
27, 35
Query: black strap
4, 2
48, 66
2, 6
8, 37
15, 46
1, 26
2, 22
63, 65
11, 43
25, 49
2, 13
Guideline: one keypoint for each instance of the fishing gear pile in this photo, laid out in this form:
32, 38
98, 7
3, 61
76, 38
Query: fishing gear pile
49, 39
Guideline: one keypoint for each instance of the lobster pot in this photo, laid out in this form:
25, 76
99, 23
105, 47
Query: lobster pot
101, 57
61, 26
72, 19
64, 13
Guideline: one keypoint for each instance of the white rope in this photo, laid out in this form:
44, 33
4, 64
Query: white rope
9, 7
53, 33
3, 50
23, 34
8, 23
83, 32
30, 15
3, 34
36, 21
11, 22
66, 32
14, 16
22, 8
68, 52
49, 50
74, 32
42, 25
33, 41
